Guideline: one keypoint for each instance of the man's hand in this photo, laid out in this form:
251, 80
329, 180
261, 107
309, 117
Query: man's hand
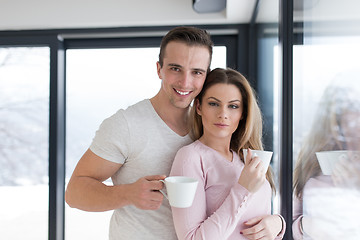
144, 193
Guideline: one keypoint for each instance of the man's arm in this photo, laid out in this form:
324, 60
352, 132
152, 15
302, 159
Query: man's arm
86, 190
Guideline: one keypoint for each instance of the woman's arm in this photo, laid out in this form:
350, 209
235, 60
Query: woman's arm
297, 218
193, 222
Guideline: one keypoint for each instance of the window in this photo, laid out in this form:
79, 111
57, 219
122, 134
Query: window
24, 126
326, 120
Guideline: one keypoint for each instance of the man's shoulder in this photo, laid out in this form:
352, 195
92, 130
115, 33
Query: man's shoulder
143, 104
136, 110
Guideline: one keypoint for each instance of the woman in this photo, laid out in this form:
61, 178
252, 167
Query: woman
233, 198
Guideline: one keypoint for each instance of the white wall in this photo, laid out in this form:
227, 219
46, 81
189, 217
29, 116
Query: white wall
55, 14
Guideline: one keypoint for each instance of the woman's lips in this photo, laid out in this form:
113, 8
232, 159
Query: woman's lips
221, 125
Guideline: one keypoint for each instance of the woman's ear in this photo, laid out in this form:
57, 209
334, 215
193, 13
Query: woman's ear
198, 107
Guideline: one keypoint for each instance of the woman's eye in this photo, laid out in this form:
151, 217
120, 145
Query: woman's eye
233, 106
213, 104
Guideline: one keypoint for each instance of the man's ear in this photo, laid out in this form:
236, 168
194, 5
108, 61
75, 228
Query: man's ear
198, 106
158, 67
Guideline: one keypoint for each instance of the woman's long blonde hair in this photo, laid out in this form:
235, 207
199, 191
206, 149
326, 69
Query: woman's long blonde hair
249, 131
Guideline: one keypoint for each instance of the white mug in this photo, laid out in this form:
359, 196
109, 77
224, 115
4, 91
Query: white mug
264, 156
180, 190
328, 159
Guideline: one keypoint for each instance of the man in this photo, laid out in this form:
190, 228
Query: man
136, 146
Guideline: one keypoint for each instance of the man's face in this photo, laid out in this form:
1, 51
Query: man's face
183, 72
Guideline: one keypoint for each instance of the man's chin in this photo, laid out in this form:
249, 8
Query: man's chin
181, 104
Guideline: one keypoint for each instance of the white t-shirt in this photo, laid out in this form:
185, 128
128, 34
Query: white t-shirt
140, 140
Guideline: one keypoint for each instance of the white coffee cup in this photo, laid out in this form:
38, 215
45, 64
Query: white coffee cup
328, 159
180, 190
264, 156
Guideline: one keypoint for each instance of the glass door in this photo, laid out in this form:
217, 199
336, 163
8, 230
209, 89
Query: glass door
24, 150
326, 122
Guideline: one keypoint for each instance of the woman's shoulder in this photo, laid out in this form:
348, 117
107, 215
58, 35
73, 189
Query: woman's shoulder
320, 181
190, 149
197, 147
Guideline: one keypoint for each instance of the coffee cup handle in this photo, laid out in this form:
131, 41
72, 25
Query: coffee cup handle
165, 195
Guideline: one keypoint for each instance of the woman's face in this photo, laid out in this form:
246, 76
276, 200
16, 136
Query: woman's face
221, 110
350, 126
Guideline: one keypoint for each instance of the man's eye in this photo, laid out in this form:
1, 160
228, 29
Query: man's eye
175, 69
198, 73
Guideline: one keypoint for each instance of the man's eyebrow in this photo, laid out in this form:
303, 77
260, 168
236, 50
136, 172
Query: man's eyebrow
199, 69
175, 65
179, 66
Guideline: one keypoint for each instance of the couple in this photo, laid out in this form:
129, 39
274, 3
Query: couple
136, 147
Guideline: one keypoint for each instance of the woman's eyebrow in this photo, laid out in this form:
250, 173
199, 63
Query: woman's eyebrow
214, 99
231, 101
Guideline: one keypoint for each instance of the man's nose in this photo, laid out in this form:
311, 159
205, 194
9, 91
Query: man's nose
185, 80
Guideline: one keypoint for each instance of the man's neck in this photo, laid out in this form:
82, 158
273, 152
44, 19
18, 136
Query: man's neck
175, 118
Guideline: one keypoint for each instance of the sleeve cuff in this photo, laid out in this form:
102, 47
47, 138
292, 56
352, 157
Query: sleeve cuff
282, 232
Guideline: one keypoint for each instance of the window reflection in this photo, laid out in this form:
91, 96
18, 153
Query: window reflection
326, 141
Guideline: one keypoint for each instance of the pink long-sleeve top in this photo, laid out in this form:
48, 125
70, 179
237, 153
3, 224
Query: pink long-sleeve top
315, 185
333, 212
221, 205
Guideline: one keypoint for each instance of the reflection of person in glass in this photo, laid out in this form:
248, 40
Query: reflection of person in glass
233, 198
327, 206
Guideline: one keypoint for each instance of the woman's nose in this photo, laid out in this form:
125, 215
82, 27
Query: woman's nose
223, 113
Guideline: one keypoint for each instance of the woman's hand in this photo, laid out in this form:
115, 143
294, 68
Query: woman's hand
265, 228
253, 175
346, 173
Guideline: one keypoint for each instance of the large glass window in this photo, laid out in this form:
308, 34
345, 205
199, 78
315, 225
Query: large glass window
326, 125
326, 138
99, 82
24, 127
267, 65
326, 113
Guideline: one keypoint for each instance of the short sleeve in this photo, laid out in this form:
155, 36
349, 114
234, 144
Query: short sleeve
112, 139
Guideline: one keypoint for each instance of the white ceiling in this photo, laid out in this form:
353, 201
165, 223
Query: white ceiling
47, 14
